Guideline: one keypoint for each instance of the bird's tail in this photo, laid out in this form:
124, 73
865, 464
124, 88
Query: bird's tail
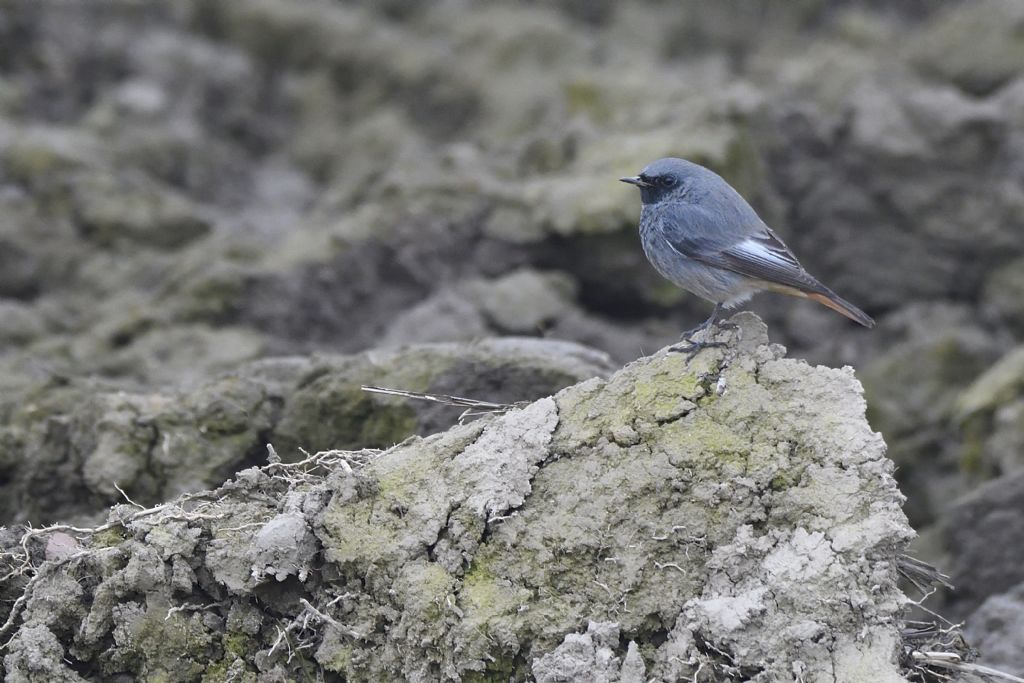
841, 305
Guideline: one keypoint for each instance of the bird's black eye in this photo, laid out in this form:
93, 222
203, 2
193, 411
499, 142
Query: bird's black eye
667, 181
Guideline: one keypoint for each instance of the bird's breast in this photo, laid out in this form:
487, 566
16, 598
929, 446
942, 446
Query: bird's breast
657, 249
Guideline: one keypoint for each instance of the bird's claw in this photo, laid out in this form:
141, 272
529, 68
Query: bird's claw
718, 325
691, 348
713, 321
688, 335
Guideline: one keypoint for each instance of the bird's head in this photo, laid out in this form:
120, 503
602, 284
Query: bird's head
669, 178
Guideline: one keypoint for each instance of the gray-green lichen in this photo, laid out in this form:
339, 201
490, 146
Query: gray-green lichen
733, 513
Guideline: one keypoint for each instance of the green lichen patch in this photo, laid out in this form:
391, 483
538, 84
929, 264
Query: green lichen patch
404, 509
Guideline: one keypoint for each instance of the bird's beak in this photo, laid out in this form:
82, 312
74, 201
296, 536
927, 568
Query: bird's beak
635, 180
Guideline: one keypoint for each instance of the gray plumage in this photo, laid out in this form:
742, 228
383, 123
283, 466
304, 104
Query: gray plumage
700, 234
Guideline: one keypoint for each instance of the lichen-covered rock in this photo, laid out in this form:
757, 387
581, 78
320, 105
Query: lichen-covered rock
1000, 384
66, 453
730, 514
283, 547
946, 48
990, 414
113, 213
591, 656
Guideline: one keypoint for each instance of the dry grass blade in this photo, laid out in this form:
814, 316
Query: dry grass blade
474, 407
953, 662
921, 574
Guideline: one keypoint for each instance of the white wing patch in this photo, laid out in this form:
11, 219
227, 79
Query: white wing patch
764, 252
766, 258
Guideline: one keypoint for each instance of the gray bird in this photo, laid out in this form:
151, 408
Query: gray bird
699, 233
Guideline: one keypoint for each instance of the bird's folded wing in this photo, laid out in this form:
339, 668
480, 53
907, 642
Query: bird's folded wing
769, 260
754, 251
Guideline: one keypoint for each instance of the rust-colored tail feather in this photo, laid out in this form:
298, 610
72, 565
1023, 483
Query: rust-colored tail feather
837, 303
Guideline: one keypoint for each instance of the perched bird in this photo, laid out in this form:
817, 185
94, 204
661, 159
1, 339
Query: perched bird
699, 233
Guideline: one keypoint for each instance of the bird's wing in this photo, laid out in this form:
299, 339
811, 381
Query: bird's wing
753, 249
765, 257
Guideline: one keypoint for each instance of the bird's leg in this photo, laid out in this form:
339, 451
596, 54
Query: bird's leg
690, 347
688, 335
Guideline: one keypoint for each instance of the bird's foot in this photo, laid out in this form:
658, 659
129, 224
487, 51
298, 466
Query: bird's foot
712, 321
688, 335
717, 325
691, 348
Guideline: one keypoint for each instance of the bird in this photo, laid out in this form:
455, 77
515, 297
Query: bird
700, 234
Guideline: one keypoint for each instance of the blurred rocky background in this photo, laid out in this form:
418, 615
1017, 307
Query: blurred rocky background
217, 219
